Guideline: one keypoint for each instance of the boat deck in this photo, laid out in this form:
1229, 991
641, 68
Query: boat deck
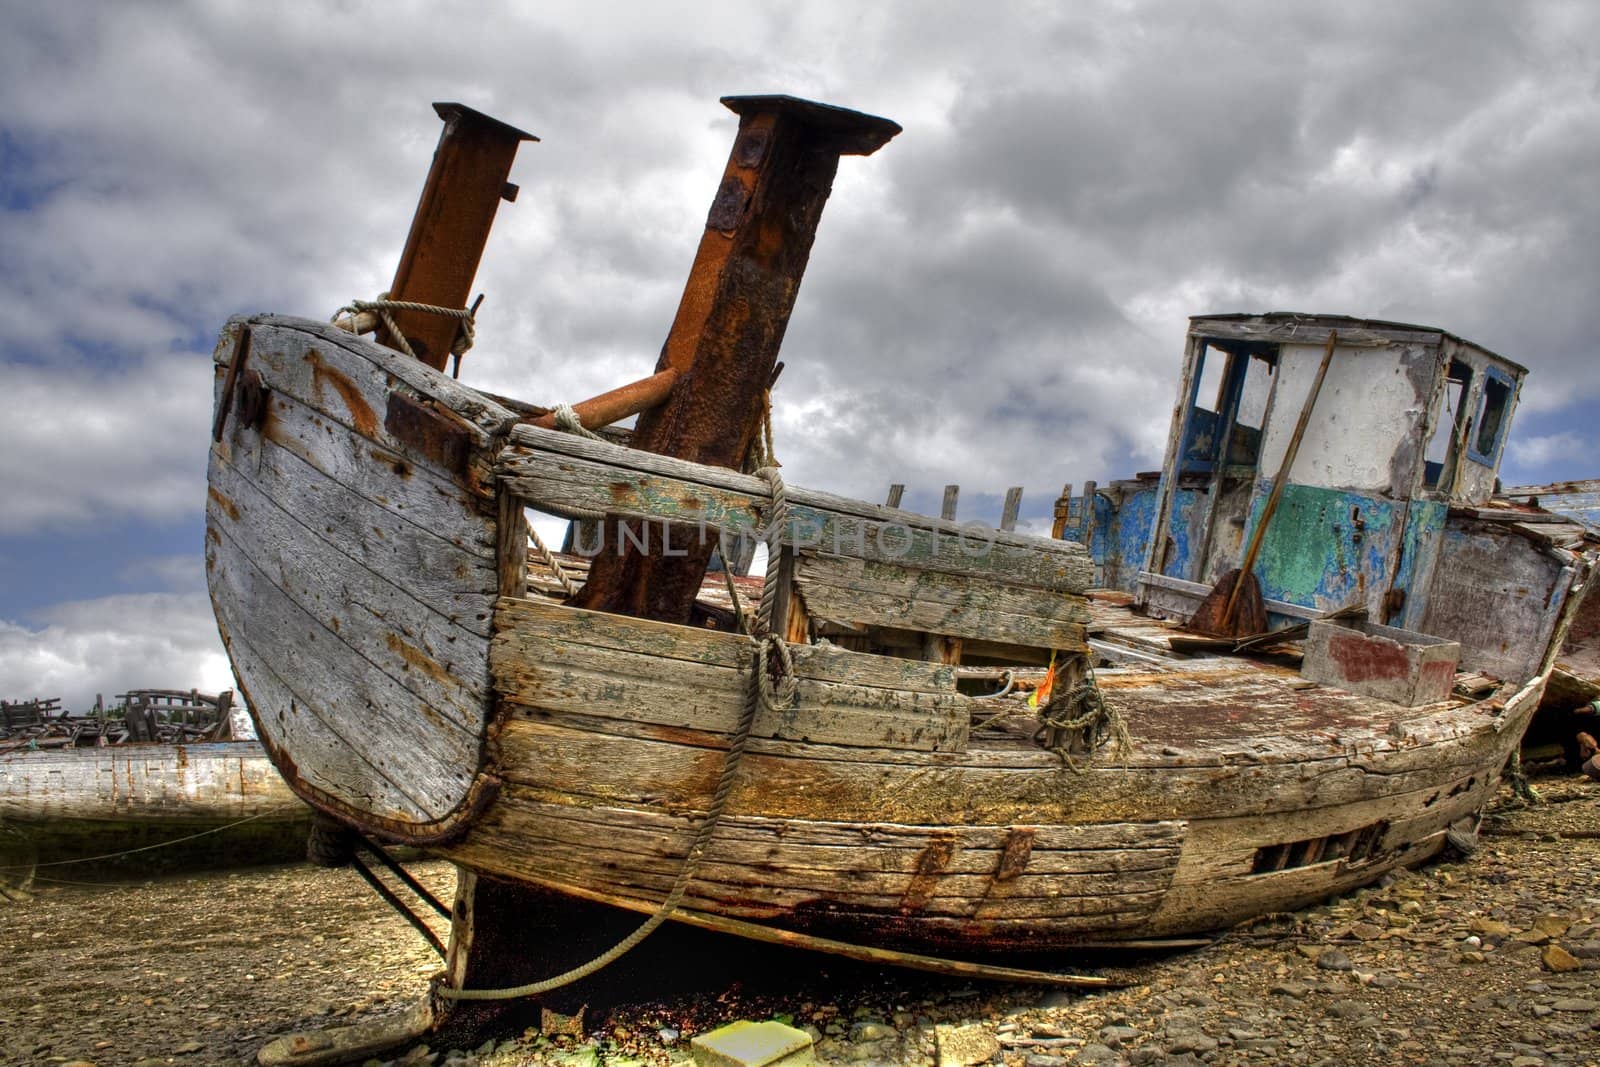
1177, 706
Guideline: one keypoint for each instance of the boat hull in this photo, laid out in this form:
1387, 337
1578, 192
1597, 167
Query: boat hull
73, 803
993, 844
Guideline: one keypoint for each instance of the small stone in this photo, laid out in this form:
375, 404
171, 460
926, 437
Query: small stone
1588, 950
188, 1048
1558, 959
1115, 1036
870, 1031
1575, 1004
1472, 955
962, 1046
1297, 990
1040, 1059
1490, 928
1554, 925
1366, 931
1527, 1061
1335, 960
1191, 1041
668, 1036
1093, 1054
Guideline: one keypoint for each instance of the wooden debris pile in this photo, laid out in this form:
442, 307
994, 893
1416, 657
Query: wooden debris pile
166, 716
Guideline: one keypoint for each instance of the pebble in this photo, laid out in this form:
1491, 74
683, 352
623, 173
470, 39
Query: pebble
1559, 960
962, 1046
1335, 959
1575, 1004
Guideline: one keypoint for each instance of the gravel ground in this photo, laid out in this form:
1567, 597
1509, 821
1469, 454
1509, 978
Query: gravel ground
1494, 959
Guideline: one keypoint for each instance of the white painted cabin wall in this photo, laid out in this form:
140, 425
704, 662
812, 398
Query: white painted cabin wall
1366, 408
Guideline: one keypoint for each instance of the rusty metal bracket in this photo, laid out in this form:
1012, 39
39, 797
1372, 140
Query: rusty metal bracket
429, 431
241, 353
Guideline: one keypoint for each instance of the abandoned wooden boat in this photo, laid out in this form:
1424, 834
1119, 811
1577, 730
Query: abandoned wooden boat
77, 787
862, 780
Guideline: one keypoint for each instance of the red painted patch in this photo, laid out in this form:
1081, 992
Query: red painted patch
1361, 659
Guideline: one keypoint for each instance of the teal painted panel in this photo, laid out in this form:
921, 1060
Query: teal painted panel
1325, 548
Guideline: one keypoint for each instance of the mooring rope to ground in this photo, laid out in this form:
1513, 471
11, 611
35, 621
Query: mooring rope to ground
770, 656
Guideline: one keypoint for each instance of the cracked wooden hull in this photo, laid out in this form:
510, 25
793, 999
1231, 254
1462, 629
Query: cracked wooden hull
366, 550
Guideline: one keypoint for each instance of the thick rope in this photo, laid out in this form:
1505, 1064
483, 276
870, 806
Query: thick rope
1082, 714
761, 453
548, 558
771, 685
740, 623
754, 699
777, 519
382, 308
567, 419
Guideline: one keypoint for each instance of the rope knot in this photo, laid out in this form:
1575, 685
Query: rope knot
383, 306
774, 669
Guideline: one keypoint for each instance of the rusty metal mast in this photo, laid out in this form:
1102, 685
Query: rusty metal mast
724, 341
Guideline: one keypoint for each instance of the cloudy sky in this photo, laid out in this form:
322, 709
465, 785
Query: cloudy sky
996, 298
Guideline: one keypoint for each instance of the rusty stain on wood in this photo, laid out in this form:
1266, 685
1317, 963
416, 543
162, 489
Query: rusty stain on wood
931, 864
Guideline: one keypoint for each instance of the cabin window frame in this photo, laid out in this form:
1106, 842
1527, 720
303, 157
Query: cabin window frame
1463, 426
1491, 376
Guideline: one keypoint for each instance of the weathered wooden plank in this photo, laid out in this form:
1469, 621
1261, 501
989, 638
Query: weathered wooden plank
445, 665
719, 882
425, 756
550, 466
816, 845
323, 760
1307, 333
725, 867
1013, 506
869, 592
534, 667
457, 583
672, 771
287, 343
823, 663
547, 676
435, 505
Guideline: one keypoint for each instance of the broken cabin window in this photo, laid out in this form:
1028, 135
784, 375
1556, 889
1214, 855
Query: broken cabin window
1205, 404
1438, 461
1492, 419
1244, 444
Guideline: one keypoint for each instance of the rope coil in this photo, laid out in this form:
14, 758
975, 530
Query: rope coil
382, 308
1080, 722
